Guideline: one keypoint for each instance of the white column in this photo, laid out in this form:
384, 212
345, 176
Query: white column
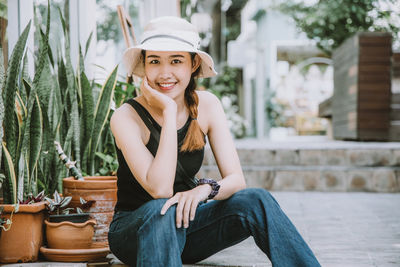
82, 20
19, 14
157, 8
260, 86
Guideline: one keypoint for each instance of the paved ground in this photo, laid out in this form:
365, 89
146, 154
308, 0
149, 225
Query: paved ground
343, 229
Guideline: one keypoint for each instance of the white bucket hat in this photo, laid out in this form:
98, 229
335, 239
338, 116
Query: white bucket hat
168, 34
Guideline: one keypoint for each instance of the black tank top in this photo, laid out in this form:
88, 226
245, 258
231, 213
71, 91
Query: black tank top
131, 195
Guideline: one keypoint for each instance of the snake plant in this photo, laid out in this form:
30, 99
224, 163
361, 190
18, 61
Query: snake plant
60, 104
23, 123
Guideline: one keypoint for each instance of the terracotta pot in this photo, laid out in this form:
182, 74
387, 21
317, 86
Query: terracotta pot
69, 235
97, 252
22, 242
73, 217
102, 189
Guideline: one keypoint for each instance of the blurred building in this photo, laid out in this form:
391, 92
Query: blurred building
279, 66
272, 55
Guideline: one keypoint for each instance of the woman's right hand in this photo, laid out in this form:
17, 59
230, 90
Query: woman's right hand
156, 99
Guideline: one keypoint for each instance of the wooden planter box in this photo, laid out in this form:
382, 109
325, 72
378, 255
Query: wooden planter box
394, 132
362, 81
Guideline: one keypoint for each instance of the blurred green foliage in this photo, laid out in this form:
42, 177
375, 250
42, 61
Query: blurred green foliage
331, 22
225, 83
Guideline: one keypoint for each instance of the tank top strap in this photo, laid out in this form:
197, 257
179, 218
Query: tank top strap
146, 118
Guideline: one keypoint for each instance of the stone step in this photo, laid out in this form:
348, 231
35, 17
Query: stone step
316, 166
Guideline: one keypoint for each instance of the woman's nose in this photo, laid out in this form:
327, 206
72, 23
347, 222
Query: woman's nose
165, 71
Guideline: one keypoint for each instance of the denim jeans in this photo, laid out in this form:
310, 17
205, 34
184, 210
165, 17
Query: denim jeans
145, 238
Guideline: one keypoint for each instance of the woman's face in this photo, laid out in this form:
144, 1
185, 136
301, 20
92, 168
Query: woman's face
169, 72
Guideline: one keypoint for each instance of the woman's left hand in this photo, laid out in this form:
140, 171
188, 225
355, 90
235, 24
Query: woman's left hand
187, 204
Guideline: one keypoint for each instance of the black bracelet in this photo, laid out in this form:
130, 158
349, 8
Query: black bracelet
214, 186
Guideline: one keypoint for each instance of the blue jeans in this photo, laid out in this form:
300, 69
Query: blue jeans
145, 238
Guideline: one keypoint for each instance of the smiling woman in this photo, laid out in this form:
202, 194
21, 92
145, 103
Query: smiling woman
162, 217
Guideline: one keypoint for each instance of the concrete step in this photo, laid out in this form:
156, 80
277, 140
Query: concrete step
316, 165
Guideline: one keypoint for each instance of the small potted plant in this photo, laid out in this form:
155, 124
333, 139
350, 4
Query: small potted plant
67, 227
101, 189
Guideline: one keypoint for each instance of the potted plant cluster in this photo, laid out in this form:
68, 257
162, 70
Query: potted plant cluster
67, 227
56, 105
21, 120
69, 230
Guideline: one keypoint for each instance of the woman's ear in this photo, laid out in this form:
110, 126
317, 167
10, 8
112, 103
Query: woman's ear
196, 63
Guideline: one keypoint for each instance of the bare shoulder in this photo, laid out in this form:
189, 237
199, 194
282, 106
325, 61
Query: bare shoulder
210, 110
208, 99
122, 115
125, 120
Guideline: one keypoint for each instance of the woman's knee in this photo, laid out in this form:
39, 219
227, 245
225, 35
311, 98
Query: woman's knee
252, 195
251, 200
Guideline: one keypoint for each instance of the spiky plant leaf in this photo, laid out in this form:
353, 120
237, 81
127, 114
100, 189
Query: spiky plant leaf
10, 91
27, 87
62, 77
101, 113
32, 96
88, 43
10, 176
45, 85
63, 24
36, 134
2, 80
87, 118
20, 110
23, 90
81, 63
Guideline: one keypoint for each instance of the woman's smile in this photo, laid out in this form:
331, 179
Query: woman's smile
166, 86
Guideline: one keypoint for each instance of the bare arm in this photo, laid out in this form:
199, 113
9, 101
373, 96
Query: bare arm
155, 174
211, 117
224, 150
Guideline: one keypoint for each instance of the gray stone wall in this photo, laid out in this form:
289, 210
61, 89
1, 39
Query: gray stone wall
343, 169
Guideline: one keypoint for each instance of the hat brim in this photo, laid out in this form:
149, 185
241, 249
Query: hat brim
134, 62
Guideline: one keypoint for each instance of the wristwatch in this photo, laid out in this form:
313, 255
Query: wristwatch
214, 186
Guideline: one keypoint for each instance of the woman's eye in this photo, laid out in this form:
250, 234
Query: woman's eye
176, 61
154, 61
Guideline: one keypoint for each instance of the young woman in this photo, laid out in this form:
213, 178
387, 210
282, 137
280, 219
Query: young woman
162, 217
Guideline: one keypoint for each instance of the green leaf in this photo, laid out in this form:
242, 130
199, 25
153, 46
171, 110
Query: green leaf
36, 134
87, 118
101, 113
45, 85
25, 76
10, 174
81, 63
32, 98
9, 93
88, 43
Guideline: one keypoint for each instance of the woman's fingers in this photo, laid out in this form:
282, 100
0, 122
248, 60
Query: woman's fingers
186, 212
172, 201
179, 211
193, 209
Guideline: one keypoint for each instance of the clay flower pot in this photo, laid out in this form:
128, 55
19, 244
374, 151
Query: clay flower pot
102, 189
22, 242
69, 235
